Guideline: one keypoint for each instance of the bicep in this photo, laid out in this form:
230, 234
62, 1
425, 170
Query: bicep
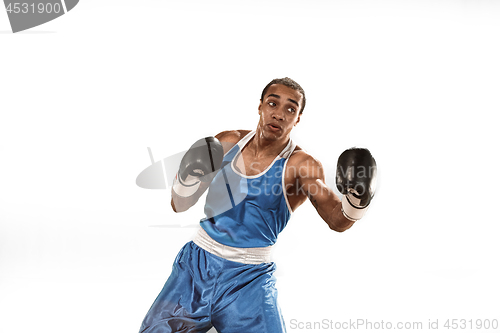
319, 193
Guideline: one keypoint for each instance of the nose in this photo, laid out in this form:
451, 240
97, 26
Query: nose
279, 114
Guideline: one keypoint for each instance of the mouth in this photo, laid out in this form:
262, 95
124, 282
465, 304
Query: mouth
274, 127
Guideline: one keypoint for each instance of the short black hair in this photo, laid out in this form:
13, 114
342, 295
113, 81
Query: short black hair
289, 83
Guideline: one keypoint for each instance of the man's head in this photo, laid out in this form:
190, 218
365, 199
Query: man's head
288, 83
280, 109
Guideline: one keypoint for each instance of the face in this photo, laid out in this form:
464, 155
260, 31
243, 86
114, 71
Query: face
279, 111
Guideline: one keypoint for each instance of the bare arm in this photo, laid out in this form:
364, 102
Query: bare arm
326, 202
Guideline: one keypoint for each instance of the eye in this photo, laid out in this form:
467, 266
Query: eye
271, 104
291, 110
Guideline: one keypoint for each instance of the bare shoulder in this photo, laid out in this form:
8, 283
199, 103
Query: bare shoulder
300, 157
230, 138
303, 161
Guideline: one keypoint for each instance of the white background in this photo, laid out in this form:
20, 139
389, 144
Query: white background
83, 249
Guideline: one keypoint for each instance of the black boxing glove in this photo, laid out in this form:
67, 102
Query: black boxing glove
200, 163
356, 180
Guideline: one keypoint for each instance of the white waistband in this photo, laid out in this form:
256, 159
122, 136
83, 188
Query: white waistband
244, 255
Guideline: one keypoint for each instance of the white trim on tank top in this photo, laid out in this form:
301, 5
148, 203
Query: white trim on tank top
244, 142
285, 153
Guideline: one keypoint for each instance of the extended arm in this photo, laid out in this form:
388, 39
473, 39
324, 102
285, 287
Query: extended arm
326, 202
356, 180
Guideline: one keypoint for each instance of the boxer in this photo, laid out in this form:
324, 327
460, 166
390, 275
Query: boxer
255, 180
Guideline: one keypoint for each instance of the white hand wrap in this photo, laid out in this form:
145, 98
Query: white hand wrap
186, 188
350, 210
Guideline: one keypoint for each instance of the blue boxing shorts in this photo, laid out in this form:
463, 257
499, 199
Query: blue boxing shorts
206, 290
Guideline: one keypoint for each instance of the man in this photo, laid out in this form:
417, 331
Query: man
256, 179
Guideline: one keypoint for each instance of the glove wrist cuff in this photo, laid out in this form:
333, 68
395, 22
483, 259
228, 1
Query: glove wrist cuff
350, 211
185, 189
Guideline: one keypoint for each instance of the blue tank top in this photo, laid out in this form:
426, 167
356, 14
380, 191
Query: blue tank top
247, 211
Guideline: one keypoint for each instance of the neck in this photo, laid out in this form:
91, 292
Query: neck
268, 146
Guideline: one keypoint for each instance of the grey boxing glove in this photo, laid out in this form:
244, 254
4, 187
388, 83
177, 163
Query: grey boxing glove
200, 163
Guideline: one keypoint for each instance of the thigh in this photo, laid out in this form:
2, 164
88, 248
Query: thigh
184, 303
247, 302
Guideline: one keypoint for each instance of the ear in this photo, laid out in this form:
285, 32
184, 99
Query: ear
298, 119
260, 105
